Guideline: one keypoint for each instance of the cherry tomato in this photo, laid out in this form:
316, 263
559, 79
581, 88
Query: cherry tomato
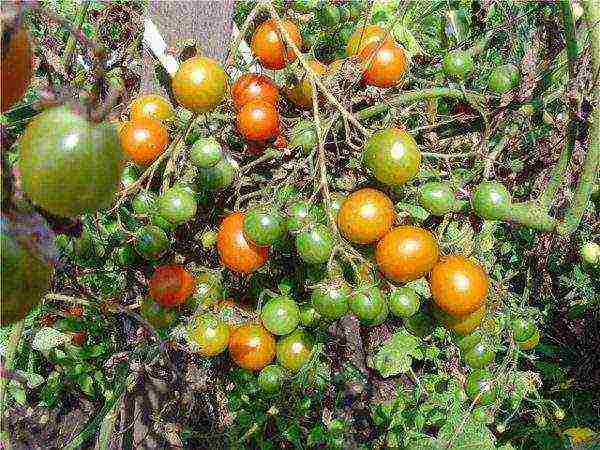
262, 227
144, 203
171, 285
404, 302
461, 325
206, 152
302, 94
458, 285
380, 317
491, 200
270, 46
504, 78
458, 64
177, 205
162, 223
304, 136
530, 343
209, 334
590, 253
437, 198
151, 242
366, 216
271, 378
235, 251
293, 350
328, 15
392, 155
251, 346
367, 303
16, 67
280, 315
309, 316
254, 86
363, 36
523, 329
258, 121
406, 253
69, 166
157, 315
299, 215
144, 140
385, 65
219, 176
315, 245
151, 106
480, 355
331, 299
78, 338
200, 84
481, 384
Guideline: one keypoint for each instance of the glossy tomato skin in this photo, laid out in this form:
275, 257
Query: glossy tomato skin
199, 84
16, 68
331, 299
177, 205
219, 176
523, 329
404, 302
144, 202
254, 86
481, 385
280, 315
458, 285
366, 216
304, 136
480, 355
491, 200
206, 152
504, 78
151, 106
270, 47
157, 315
302, 94
458, 64
299, 214
69, 166
437, 198
235, 251
461, 325
209, 334
144, 140
381, 317
251, 346
258, 121
293, 350
315, 245
271, 378
367, 303
171, 285
364, 36
406, 253
263, 227
151, 242
392, 155
385, 65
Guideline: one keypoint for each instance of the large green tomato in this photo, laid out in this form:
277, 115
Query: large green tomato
70, 166
480, 355
491, 200
177, 205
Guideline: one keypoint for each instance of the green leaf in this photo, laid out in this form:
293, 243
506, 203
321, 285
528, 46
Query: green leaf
17, 392
416, 212
48, 338
463, 433
521, 385
33, 379
395, 356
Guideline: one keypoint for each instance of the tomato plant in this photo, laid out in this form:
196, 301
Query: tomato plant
270, 47
251, 346
258, 120
235, 251
206, 152
280, 315
199, 84
365, 216
16, 67
144, 140
481, 386
171, 285
254, 86
385, 65
315, 245
151, 106
293, 350
404, 302
331, 299
301, 94
209, 334
177, 205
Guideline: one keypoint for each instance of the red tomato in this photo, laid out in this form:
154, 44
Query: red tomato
254, 86
258, 121
16, 68
269, 45
144, 140
385, 64
237, 253
171, 285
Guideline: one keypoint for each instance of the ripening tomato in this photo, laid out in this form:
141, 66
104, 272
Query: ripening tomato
367, 303
270, 46
302, 94
235, 251
200, 84
151, 106
294, 350
461, 325
406, 253
258, 121
144, 140
210, 334
385, 65
251, 346
16, 67
458, 285
364, 36
366, 216
206, 152
254, 86
157, 315
171, 285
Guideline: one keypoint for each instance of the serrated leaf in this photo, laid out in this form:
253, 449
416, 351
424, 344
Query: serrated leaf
395, 355
463, 433
33, 379
48, 338
520, 385
416, 212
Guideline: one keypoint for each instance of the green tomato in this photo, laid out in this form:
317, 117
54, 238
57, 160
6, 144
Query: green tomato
331, 299
367, 303
481, 384
523, 329
151, 242
144, 203
404, 302
209, 334
262, 227
314, 246
280, 315
458, 64
590, 253
129, 176
206, 152
380, 317
218, 176
437, 198
329, 16
293, 351
285, 193
208, 239
309, 316
491, 200
177, 205
299, 214
354, 10
158, 316
392, 155
304, 136
271, 378
466, 343
304, 6
504, 78
162, 223
209, 291
479, 356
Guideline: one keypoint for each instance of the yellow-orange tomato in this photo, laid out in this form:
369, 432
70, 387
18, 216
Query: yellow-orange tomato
385, 65
364, 36
458, 285
16, 67
258, 121
151, 106
254, 86
144, 140
461, 325
302, 94
237, 253
366, 216
406, 253
270, 47
251, 346
199, 84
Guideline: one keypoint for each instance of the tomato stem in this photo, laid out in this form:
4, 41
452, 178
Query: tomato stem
72, 41
9, 361
530, 215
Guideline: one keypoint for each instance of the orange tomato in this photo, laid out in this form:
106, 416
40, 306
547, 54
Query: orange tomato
144, 140
251, 346
406, 253
151, 106
458, 285
269, 45
385, 65
302, 94
461, 325
258, 121
16, 67
364, 36
366, 216
171, 285
200, 84
254, 86
237, 253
